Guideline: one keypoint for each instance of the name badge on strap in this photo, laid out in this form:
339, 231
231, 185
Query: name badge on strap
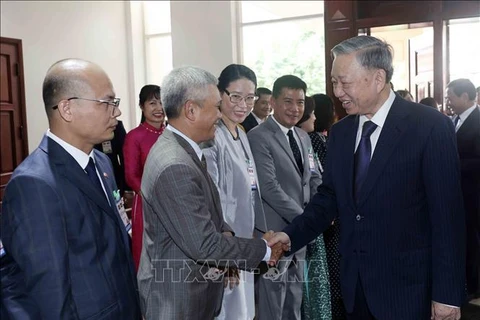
121, 211
311, 160
251, 174
319, 163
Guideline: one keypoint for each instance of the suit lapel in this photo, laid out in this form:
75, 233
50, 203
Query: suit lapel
348, 146
188, 148
282, 140
387, 142
471, 122
70, 170
305, 151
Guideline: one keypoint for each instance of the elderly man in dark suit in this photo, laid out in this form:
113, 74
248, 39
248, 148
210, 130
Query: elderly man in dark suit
461, 99
393, 177
187, 246
61, 226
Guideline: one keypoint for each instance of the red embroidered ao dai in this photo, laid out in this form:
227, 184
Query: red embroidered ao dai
138, 143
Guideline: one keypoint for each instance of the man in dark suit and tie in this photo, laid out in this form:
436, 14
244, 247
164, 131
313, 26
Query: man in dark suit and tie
393, 177
61, 226
261, 109
460, 98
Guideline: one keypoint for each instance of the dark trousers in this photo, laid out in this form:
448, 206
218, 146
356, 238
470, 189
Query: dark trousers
360, 308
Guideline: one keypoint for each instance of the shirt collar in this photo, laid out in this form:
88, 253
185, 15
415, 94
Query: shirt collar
284, 129
81, 157
257, 118
381, 115
464, 115
192, 143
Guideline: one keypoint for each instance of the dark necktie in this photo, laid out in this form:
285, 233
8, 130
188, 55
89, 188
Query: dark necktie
92, 175
455, 121
362, 157
297, 155
204, 162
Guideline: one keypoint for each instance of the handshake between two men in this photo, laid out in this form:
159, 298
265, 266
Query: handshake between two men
279, 243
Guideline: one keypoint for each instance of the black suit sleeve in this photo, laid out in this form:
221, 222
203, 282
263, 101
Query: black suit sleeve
319, 213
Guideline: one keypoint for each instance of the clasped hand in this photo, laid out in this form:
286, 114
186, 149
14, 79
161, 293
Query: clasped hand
279, 242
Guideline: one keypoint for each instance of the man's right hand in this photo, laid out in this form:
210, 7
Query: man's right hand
280, 243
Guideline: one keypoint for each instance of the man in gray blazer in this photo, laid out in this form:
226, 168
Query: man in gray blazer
288, 177
186, 243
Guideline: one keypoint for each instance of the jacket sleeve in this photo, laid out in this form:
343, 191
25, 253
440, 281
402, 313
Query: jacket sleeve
272, 192
34, 235
189, 221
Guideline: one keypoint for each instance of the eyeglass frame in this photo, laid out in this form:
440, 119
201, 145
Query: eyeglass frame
255, 98
115, 103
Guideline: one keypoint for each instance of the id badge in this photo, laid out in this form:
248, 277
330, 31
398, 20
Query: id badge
311, 160
123, 214
251, 174
107, 147
319, 163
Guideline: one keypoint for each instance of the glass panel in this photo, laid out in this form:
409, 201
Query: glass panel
254, 11
412, 57
157, 17
464, 49
159, 58
291, 47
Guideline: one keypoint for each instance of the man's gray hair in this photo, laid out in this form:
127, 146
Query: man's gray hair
371, 53
183, 84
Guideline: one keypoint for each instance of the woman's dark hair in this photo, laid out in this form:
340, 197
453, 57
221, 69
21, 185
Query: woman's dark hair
324, 112
234, 72
148, 92
307, 111
429, 101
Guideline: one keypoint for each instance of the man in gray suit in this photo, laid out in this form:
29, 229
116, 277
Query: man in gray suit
186, 243
288, 177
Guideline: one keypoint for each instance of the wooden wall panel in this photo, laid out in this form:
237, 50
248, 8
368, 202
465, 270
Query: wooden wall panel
339, 26
344, 18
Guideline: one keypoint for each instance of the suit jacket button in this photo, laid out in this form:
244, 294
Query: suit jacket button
358, 217
305, 204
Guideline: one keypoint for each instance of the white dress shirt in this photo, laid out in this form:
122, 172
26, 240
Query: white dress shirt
285, 132
379, 119
463, 116
257, 118
81, 157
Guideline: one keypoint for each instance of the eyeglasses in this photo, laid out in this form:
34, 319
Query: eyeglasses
114, 103
236, 98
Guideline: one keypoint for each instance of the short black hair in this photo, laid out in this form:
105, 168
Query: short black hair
460, 86
429, 101
148, 92
288, 81
262, 90
324, 112
58, 86
234, 72
307, 111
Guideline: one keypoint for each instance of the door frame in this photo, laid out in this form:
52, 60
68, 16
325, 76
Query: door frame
21, 87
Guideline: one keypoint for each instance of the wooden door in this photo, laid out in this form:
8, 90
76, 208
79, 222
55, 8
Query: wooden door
421, 67
13, 125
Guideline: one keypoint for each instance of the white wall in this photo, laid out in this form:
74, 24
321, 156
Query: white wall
54, 30
203, 34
